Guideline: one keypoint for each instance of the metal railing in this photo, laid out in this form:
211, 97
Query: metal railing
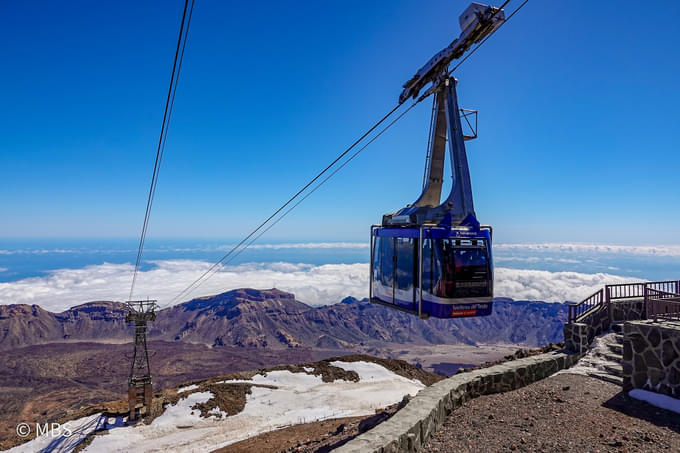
588, 304
636, 290
604, 296
662, 305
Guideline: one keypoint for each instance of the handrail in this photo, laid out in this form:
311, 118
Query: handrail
663, 305
635, 290
589, 303
620, 291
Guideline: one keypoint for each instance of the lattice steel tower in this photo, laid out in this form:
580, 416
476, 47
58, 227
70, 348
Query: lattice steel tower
139, 384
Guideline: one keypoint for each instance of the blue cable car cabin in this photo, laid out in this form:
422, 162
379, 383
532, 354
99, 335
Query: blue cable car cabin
433, 258
449, 276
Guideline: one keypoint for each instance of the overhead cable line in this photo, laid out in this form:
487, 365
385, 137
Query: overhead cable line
289, 201
169, 103
481, 43
232, 253
226, 260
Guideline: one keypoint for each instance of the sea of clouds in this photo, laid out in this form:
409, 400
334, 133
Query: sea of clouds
571, 248
312, 284
568, 248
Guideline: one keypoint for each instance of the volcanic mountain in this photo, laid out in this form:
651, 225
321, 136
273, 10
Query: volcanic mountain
275, 319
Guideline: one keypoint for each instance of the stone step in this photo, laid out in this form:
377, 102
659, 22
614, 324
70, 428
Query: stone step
607, 377
617, 327
611, 356
619, 338
616, 370
616, 349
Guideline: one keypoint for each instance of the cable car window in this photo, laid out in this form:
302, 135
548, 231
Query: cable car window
471, 271
377, 250
405, 263
386, 261
427, 265
442, 268
459, 268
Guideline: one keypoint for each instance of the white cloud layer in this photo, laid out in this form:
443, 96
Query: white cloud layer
218, 248
551, 286
324, 284
647, 250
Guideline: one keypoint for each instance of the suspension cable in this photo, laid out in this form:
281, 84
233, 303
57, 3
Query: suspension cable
481, 43
169, 103
289, 201
232, 253
226, 260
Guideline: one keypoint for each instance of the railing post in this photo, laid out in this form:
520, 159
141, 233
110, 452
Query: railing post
569, 310
607, 300
644, 300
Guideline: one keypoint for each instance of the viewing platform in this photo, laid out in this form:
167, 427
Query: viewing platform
646, 320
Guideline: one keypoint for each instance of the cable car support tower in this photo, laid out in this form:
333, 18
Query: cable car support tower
140, 386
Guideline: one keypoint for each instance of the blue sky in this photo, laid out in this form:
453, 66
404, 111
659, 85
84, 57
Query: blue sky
578, 118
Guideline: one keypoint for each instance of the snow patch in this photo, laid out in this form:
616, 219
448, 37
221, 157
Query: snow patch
182, 414
187, 388
595, 360
167, 431
58, 441
372, 372
296, 398
656, 399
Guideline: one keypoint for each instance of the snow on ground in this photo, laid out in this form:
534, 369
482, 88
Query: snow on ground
64, 438
181, 413
369, 371
594, 361
187, 388
297, 398
656, 399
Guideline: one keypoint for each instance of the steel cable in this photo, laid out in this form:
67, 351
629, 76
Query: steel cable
215, 267
169, 102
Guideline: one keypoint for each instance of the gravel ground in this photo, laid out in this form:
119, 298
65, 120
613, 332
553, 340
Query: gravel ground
564, 413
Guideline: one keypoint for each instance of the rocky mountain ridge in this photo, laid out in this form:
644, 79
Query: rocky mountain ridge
275, 319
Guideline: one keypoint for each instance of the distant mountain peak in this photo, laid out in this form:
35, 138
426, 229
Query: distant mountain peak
241, 296
349, 300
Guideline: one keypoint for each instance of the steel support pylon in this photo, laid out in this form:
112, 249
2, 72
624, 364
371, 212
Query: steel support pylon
140, 388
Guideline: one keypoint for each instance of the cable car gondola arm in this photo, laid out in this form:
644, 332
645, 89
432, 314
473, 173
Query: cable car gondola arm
477, 22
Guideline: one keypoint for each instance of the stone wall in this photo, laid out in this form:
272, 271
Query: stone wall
628, 310
579, 335
576, 337
409, 429
651, 357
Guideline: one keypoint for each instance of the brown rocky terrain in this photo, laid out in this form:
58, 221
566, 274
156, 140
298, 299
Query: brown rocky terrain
563, 413
51, 362
42, 383
230, 398
24, 325
317, 437
275, 319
